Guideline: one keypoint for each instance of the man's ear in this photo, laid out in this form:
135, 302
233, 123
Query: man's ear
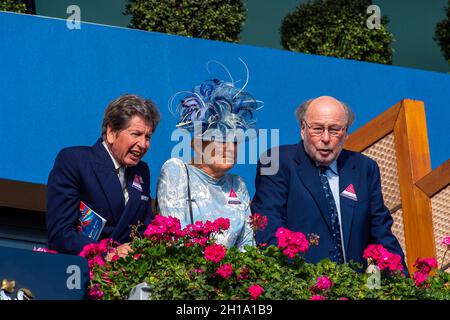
302, 131
110, 135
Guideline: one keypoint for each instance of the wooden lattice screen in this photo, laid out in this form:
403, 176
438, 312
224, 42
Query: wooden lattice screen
418, 199
436, 185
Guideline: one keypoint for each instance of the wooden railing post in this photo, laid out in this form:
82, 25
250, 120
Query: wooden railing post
404, 126
413, 162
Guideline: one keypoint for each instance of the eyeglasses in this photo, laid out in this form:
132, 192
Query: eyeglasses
316, 130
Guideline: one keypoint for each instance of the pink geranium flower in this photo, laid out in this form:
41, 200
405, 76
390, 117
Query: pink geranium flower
446, 241
243, 274
426, 264
225, 270
420, 277
215, 253
424, 267
155, 232
258, 222
317, 297
374, 251
291, 242
201, 241
255, 291
95, 293
88, 250
163, 228
104, 245
383, 258
98, 260
222, 223
208, 228
323, 283
200, 232
93, 249
390, 261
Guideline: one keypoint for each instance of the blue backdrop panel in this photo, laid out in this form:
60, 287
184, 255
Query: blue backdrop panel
55, 84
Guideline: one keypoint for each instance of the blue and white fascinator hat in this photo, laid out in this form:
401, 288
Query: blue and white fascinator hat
216, 110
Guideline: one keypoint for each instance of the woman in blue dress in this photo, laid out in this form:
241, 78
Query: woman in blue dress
218, 115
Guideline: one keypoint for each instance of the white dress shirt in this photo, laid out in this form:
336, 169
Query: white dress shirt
120, 171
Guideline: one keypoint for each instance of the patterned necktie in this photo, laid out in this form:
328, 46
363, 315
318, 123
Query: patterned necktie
335, 227
123, 182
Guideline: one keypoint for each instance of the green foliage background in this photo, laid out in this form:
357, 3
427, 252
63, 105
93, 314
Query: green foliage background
208, 19
337, 28
13, 6
443, 35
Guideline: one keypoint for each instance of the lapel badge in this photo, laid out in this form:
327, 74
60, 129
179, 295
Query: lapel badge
350, 193
136, 183
233, 198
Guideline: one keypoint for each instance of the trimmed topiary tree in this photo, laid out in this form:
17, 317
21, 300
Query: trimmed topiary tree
337, 28
12, 5
443, 35
208, 19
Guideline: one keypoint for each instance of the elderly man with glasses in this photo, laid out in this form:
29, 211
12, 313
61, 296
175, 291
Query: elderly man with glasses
325, 190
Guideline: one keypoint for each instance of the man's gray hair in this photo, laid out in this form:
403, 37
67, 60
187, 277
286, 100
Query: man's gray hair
301, 112
120, 111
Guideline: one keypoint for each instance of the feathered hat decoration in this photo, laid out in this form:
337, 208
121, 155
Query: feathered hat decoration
217, 106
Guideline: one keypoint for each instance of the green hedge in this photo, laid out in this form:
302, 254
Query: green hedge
443, 35
209, 19
337, 28
12, 5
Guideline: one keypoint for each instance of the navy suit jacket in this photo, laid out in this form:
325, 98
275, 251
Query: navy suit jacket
294, 198
87, 174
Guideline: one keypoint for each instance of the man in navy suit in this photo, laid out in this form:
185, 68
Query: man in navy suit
321, 189
109, 178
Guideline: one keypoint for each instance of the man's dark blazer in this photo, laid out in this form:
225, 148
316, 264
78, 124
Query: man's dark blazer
294, 198
87, 174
